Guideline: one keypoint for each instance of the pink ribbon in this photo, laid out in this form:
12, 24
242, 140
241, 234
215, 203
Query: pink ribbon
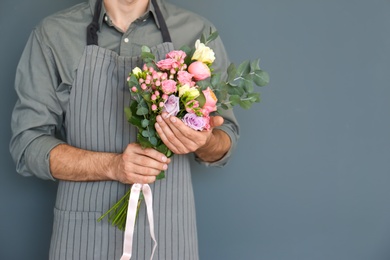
131, 216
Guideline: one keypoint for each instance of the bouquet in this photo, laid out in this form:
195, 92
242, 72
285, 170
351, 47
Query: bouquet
183, 85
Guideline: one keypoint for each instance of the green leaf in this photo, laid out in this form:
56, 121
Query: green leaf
132, 117
142, 108
186, 49
215, 80
145, 133
145, 123
234, 90
144, 142
153, 141
133, 81
162, 148
141, 111
201, 99
244, 68
231, 72
248, 83
202, 39
224, 106
261, 78
147, 56
212, 37
203, 84
255, 65
254, 97
245, 104
161, 175
234, 99
145, 48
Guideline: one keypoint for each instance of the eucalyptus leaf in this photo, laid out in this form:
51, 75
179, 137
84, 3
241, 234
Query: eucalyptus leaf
147, 56
145, 123
153, 140
141, 111
235, 99
254, 97
238, 90
255, 65
224, 106
186, 49
215, 79
245, 104
261, 78
232, 72
145, 48
144, 142
133, 81
248, 83
203, 84
244, 68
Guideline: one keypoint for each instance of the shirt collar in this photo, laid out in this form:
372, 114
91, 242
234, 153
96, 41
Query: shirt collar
151, 10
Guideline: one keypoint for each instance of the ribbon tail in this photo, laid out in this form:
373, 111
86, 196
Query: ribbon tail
130, 221
149, 207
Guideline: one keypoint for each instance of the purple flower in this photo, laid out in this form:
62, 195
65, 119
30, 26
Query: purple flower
193, 121
171, 105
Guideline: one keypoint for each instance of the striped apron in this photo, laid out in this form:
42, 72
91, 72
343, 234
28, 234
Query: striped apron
95, 120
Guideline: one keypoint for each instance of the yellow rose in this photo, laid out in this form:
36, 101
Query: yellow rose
203, 53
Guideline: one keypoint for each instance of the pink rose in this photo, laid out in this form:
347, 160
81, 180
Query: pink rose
166, 64
176, 55
168, 86
199, 70
211, 101
184, 78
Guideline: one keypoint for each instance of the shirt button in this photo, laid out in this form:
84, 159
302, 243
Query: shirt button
106, 18
144, 20
126, 40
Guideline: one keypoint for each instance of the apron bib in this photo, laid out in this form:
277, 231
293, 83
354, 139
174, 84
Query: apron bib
95, 120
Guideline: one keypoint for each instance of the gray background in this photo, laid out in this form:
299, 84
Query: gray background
310, 178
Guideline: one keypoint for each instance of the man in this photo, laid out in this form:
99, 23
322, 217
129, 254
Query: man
69, 125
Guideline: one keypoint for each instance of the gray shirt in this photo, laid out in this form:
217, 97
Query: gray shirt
46, 72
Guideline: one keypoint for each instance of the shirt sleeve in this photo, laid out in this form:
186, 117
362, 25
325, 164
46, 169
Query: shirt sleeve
230, 125
37, 117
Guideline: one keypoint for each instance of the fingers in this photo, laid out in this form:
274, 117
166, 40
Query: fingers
138, 165
178, 137
216, 121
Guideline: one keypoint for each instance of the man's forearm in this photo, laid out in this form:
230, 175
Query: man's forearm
218, 145
74, 164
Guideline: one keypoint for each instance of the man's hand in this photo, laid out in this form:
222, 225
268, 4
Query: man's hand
134, 165
209, 145
138, 165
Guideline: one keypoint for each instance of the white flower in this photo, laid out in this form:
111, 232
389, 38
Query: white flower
203, 53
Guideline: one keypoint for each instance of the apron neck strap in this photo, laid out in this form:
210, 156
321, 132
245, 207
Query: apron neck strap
163, 26
93, 27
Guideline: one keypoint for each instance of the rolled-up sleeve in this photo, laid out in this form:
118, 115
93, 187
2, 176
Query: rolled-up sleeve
37, 117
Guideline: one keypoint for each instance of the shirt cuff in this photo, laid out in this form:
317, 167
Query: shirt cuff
224, 160
37, 156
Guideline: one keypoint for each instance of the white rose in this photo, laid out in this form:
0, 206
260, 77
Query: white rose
203, 53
